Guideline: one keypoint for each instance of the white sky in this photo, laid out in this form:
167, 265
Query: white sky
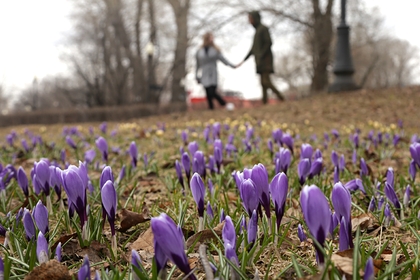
32, 33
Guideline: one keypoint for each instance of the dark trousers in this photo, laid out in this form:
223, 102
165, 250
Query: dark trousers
267, 84
211, 93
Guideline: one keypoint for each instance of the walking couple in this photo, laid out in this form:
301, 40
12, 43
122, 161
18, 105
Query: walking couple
208, 55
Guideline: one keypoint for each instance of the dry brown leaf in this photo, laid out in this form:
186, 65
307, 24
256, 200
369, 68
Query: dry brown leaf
204, 235
144, 242
343, 260
49, 270
130, 219
365, 221
386, 256
63, 239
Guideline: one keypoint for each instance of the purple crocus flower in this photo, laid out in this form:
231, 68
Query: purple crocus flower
270, 146
40, 214
304, 169
228, 232
210, 186
342, 163
184, 137
336, 174
249, 195
387, 214
354, 185
316, 212
288, 141
334, 223
76, 194
344, 238
334, 158
372, 205
71, 142
109, 204
283, 160
209, 211
211, 165
42, 249
277, 135
135, 263
25, 145
199, 164
121, 175
170, 240
178, 170
185, 159
103, 127
84, 271
259, 176
316, 168
301, 233
133, 153
341, 200
369, 270
218, 157
206, 133
390, 177
198, 191
28, 224
42, 171
90, 156
406, 200
306, 151
412, 170
102, 145
58, 252
222, 215
105, 176
354, 157
252, 228
355, 139
415, 152
193, 147
22, 180
364, 171
335, 133
278, 188
392, 196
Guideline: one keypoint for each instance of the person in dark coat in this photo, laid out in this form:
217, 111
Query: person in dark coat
261, 49
206, 58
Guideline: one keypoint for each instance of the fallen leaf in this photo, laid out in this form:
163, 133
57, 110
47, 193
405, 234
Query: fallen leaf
49, 270
205, 235
63, 239
129, 218
365, 221
144, 242
343, 260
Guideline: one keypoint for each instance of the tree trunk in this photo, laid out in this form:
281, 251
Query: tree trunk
179, 72
321, 44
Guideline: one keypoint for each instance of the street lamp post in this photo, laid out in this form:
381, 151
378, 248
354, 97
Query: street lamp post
150, 49
343, 67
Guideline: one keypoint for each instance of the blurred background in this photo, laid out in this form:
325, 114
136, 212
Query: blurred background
93, 53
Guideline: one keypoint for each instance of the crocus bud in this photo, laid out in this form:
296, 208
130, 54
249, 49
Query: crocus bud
252, 228
316, 212
102, 145
109, 202
28, 224
122, 173
178, 170
392, 196
228, 232
336, 174
76, 193
103, 127
372, 205
210, 185
170, 240
369, 270
364, 171
316, 168
84, 271
42, 249
198, 191
42, 171
210, 213
193, 147
133, 153
71, 142
288, 141
184, 137
249, 196
390, 177
301, 233
354, 157
412, 170
354, 185
199, 163
344, 238
259, 176
90, 156
135, 263
304, 168
23, 181
40, 214
306, 151
186, 164
106, 175
334, 158
406, 200
415, 152
58, 252
278, 188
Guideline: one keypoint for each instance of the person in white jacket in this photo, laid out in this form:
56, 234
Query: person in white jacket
207, 57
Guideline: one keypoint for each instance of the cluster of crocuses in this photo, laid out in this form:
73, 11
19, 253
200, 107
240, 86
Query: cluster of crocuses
310, 163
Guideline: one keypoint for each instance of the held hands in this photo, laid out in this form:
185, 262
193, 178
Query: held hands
238, 65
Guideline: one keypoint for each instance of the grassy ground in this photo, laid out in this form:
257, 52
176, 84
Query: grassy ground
154, 188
